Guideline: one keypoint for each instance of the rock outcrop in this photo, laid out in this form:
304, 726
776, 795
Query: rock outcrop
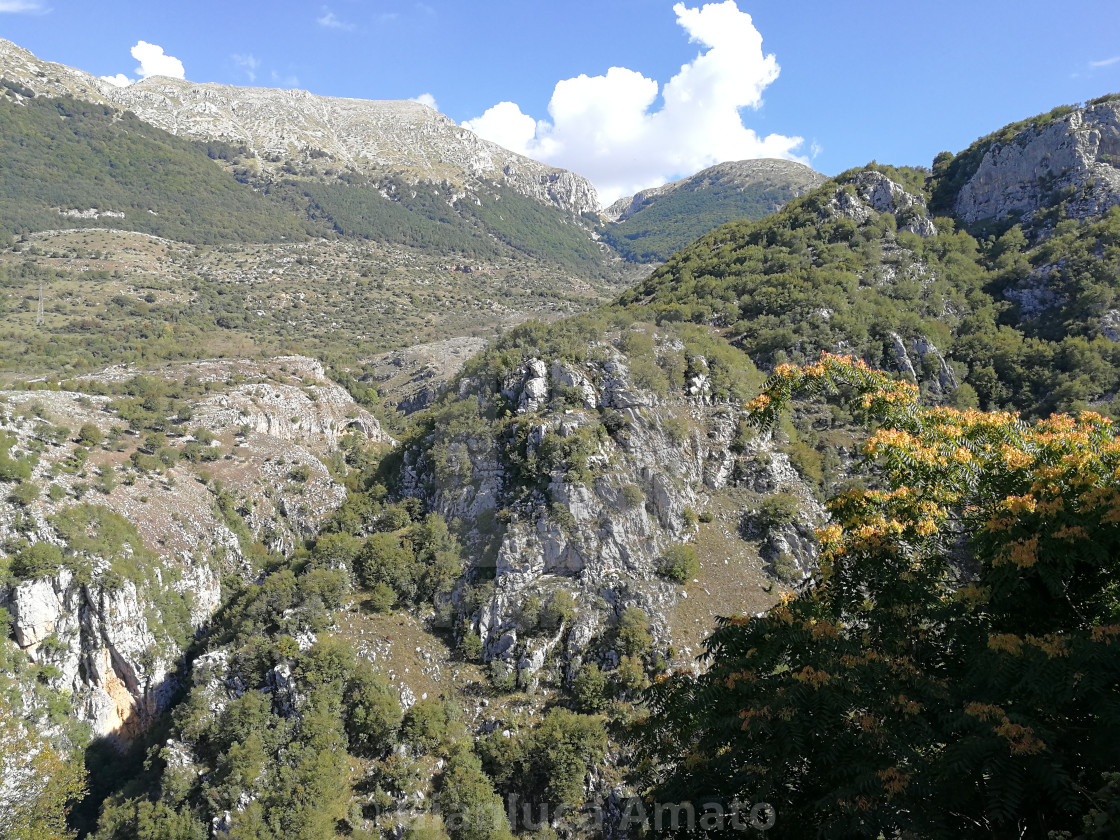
871, 193
112, 640
1076, 155
641, 464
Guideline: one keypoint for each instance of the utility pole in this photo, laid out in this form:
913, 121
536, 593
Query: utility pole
39, 319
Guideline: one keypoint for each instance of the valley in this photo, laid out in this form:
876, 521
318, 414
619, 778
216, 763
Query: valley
361, 477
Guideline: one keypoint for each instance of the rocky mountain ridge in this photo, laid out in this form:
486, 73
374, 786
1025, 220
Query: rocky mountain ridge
295, 128
654, 223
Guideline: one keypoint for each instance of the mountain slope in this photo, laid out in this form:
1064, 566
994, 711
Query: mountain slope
69, 163
293, 127
396, 172
654, 223
556, 530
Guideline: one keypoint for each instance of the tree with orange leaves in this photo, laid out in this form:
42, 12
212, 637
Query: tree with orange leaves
953, 668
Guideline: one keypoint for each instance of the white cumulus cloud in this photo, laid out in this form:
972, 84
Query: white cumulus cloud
154, 62
426, 99
119, 80
610, 128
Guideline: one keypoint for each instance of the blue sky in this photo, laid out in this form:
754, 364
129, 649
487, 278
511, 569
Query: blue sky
895, 82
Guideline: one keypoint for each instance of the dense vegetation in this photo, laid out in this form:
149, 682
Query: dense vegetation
809, 279
65, 154
390, 209
953, 668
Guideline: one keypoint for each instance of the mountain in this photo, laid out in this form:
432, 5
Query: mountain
297, 129
249, 611
654, 223
396, 172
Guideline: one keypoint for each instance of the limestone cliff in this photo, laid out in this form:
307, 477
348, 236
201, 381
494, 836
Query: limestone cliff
640, 465
1074, 157
107, 624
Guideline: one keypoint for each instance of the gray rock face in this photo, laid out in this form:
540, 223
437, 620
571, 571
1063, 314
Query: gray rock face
105, 633
871, 193
600, 538
1080, 151
116, 670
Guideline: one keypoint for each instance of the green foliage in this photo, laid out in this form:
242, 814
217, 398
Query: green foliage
952, 669
24, 493
778, 510
632, 674
560, 609
632, 495
37, 561
382, 597
549, 762
501, 222
471, 808
431, 724
589, 689
90, 435
78, 155
679, 563
143, 820
373, 711
12, 469
633, 631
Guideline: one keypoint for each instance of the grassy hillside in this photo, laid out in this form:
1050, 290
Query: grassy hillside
63, 154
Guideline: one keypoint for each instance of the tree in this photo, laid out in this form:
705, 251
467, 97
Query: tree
41, 783
953, 668
90, 435
633, 629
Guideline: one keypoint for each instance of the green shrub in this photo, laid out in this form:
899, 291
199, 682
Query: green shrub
779, 509
786, 569
373, 712
382, 598
632, 495
430, 724
560, 609
24, 493
634, 631
679, 563
589, 689
632, 674
36, 561
90, 435
470, 645
475, 812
